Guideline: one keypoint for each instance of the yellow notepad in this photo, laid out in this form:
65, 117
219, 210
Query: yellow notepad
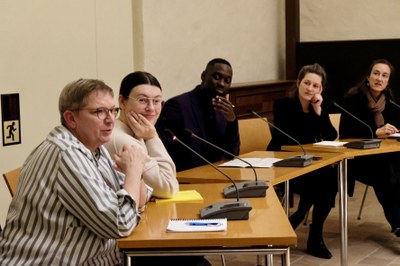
183, 196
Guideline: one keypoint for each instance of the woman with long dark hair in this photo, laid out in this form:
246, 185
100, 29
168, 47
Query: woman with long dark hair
371, 101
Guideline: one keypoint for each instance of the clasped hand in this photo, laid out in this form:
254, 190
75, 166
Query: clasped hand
130, 158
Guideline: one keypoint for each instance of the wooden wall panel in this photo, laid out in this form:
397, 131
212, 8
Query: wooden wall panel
258, 96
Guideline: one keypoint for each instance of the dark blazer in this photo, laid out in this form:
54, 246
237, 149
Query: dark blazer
357, 104
304, 127
376, 170
194, 111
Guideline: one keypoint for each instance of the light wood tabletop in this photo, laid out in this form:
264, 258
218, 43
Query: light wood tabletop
387, 145
267, 223
274, 175
266, 232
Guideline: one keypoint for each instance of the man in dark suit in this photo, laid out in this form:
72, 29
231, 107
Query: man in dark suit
207, 112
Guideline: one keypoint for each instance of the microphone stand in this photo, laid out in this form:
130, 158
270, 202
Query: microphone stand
232, 210
361, 144
398, 106
294, 161
394, 103
247, 189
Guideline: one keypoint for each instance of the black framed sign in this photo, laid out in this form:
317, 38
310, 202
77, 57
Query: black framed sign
11, 121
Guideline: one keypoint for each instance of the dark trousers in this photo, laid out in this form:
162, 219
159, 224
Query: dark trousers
318, 188
382, 172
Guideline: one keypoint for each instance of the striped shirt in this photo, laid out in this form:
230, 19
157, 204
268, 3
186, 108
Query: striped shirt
69, 207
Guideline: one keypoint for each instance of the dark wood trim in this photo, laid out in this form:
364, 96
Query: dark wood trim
258, 96
292, 12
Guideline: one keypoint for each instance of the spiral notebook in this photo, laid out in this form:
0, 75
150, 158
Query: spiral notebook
197, 225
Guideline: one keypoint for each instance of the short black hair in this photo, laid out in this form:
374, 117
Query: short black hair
218, 61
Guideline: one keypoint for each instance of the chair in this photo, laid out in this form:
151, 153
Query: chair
255, 135
335, 120
362, 202
11, 179
366, 186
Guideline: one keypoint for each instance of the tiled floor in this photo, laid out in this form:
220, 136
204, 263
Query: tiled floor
370, 240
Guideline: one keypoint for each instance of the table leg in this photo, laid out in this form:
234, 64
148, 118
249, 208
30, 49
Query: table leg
127, 260
342, 183
287, 197
269, 260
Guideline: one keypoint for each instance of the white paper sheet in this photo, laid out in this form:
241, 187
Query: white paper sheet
255, 162
330, 143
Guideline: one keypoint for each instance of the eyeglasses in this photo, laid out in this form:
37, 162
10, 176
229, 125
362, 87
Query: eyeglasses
102, 113
146, 101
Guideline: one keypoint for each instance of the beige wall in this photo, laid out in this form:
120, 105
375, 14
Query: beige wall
47, 43
181, 36
349, 20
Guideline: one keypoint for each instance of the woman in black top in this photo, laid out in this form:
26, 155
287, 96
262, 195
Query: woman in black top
372, 102
304, 116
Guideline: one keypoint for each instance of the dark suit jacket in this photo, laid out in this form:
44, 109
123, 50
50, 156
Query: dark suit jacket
194, 111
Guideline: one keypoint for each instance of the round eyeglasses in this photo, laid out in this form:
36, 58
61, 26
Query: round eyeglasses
145, 101
102, 113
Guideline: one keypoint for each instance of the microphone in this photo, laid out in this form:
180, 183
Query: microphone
294, 161
361, 144
232, 210
246, 189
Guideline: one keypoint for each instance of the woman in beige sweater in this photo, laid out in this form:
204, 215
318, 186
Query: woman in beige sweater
140, 100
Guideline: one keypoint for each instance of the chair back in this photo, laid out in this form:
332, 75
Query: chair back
11, 179
255, 135
335, 120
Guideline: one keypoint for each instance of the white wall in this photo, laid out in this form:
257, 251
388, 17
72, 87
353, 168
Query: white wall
48, 43
349, 20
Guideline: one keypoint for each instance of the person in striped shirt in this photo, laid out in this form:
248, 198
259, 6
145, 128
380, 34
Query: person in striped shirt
73, 201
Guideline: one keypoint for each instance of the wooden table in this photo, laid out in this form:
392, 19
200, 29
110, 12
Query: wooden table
266, 232
274, 175
387, 145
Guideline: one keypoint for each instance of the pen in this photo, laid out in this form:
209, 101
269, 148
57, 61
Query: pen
203, 224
